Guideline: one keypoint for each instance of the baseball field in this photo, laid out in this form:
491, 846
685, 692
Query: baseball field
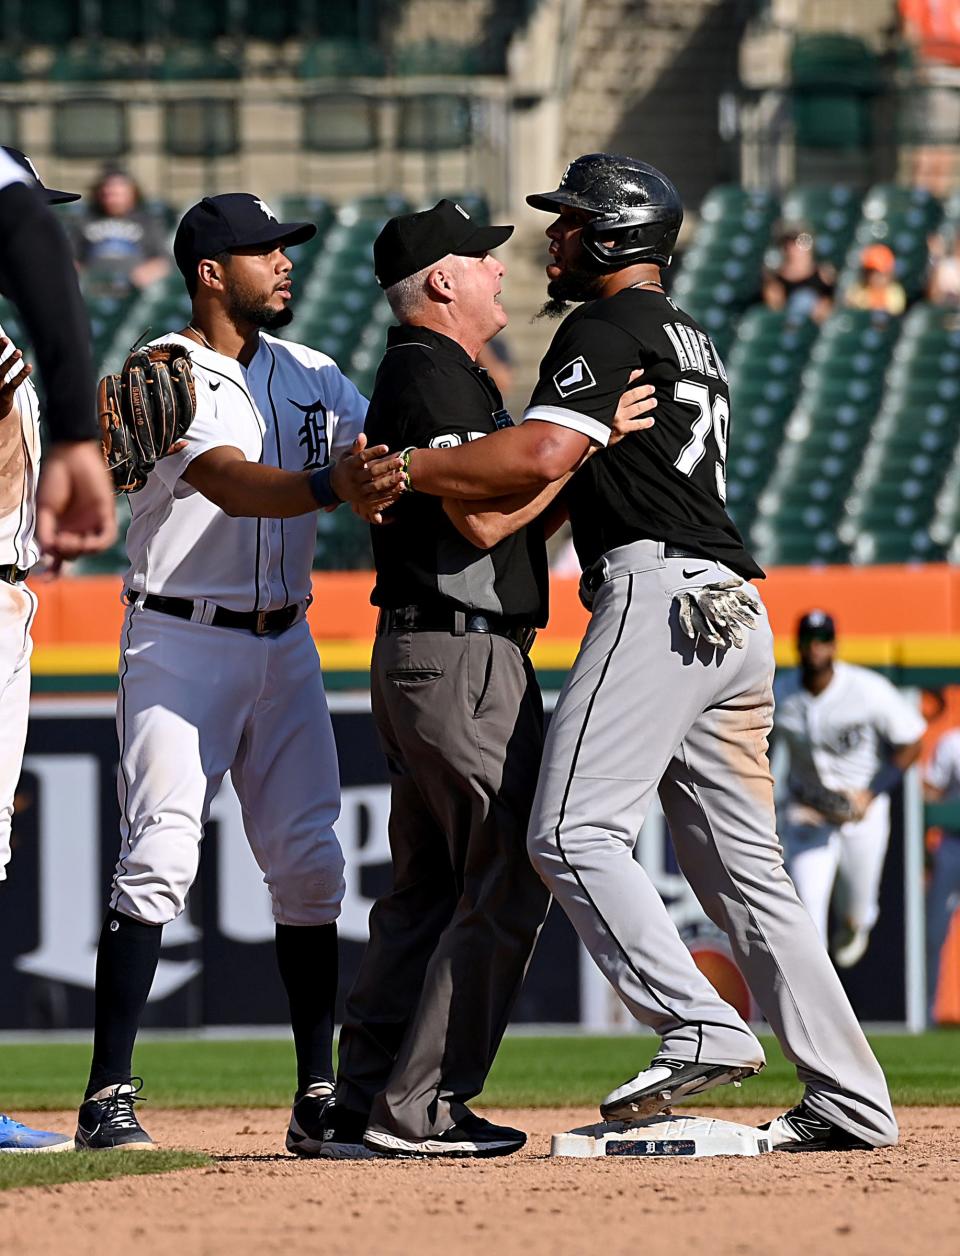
223, 1183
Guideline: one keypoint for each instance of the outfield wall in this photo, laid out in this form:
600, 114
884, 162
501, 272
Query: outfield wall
218, 963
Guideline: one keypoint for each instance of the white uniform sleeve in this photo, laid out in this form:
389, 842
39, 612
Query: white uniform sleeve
215, 425
349, 412
941, 771
897, 722
10, 172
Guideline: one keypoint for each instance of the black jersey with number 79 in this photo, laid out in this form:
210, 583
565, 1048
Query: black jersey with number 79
666, 483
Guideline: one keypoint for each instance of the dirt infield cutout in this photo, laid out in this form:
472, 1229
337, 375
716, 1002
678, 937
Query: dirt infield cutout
254, 1197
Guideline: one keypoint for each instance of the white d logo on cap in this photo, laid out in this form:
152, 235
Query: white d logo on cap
262, 205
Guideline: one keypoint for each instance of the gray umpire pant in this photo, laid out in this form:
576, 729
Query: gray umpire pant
645, 709
461, 721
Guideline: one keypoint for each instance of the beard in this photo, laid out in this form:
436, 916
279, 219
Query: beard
576, 283
250, 307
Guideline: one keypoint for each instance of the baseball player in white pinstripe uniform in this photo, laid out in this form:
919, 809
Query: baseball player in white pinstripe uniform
19, 552
218, 669
847, 730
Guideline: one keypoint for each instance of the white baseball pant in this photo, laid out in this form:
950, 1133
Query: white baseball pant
17, 608
195, 702
845, 860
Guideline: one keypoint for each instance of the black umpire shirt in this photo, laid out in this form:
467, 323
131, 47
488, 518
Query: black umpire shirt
664, 484
429, 393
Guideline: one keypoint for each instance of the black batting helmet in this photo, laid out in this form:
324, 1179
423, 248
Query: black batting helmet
635, 207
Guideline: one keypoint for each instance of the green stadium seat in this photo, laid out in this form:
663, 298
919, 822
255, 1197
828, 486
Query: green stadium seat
90, 127
437, 121
439, 57
831, 211
201, 128
195, 61
202, 22
94, 62
49, 22
341, 59
125, 20
11, 71
340, 122
833, 80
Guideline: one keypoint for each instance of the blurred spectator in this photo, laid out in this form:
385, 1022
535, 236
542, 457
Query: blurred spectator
120, 244
930, 31
943, 285
876, 288
942, 784
793, 279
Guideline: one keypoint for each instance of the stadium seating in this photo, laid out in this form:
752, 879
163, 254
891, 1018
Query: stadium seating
720, 275
912, 445
901, 218
831, 211
801, 507
834, 76
846, 437
764, 370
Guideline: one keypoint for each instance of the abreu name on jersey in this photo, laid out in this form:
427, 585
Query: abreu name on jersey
667, 483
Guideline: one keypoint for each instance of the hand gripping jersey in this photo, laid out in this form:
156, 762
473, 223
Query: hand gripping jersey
664, 484
290, 408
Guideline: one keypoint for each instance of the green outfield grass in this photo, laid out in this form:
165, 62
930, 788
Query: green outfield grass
529, 1072
91, 1166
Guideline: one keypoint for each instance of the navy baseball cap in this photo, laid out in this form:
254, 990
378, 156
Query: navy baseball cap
817, 626
412, 242
51, 195
235, 220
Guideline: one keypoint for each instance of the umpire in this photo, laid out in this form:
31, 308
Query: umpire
459, 715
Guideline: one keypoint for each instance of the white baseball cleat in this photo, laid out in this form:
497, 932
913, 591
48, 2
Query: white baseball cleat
667, 1081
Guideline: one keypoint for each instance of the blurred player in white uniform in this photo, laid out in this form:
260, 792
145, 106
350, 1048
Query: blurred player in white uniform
942, 784
849, 731
19, 551
218, 670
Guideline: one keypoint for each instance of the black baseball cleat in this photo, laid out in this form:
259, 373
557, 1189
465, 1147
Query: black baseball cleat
802, 1129
471, 1136
310, 1120
344, 1136
107, 1122
667, 1081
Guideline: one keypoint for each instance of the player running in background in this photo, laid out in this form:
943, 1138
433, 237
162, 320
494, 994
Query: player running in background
218, 670
670, 690
50, 304
850, 736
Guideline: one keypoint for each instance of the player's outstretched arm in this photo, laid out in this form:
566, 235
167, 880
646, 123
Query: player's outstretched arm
484, 523
248, 489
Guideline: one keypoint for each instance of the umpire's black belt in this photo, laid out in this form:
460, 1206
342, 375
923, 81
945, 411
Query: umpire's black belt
14, 574
427, 619
258, 622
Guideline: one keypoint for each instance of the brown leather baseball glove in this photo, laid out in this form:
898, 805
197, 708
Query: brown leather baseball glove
144, 411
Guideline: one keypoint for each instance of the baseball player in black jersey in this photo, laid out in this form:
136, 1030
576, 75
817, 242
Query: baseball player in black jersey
672, 688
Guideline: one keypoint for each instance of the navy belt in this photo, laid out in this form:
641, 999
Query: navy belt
425, 619
257, 622
14, 574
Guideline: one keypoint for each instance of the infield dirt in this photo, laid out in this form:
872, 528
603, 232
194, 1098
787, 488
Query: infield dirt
256, 1198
